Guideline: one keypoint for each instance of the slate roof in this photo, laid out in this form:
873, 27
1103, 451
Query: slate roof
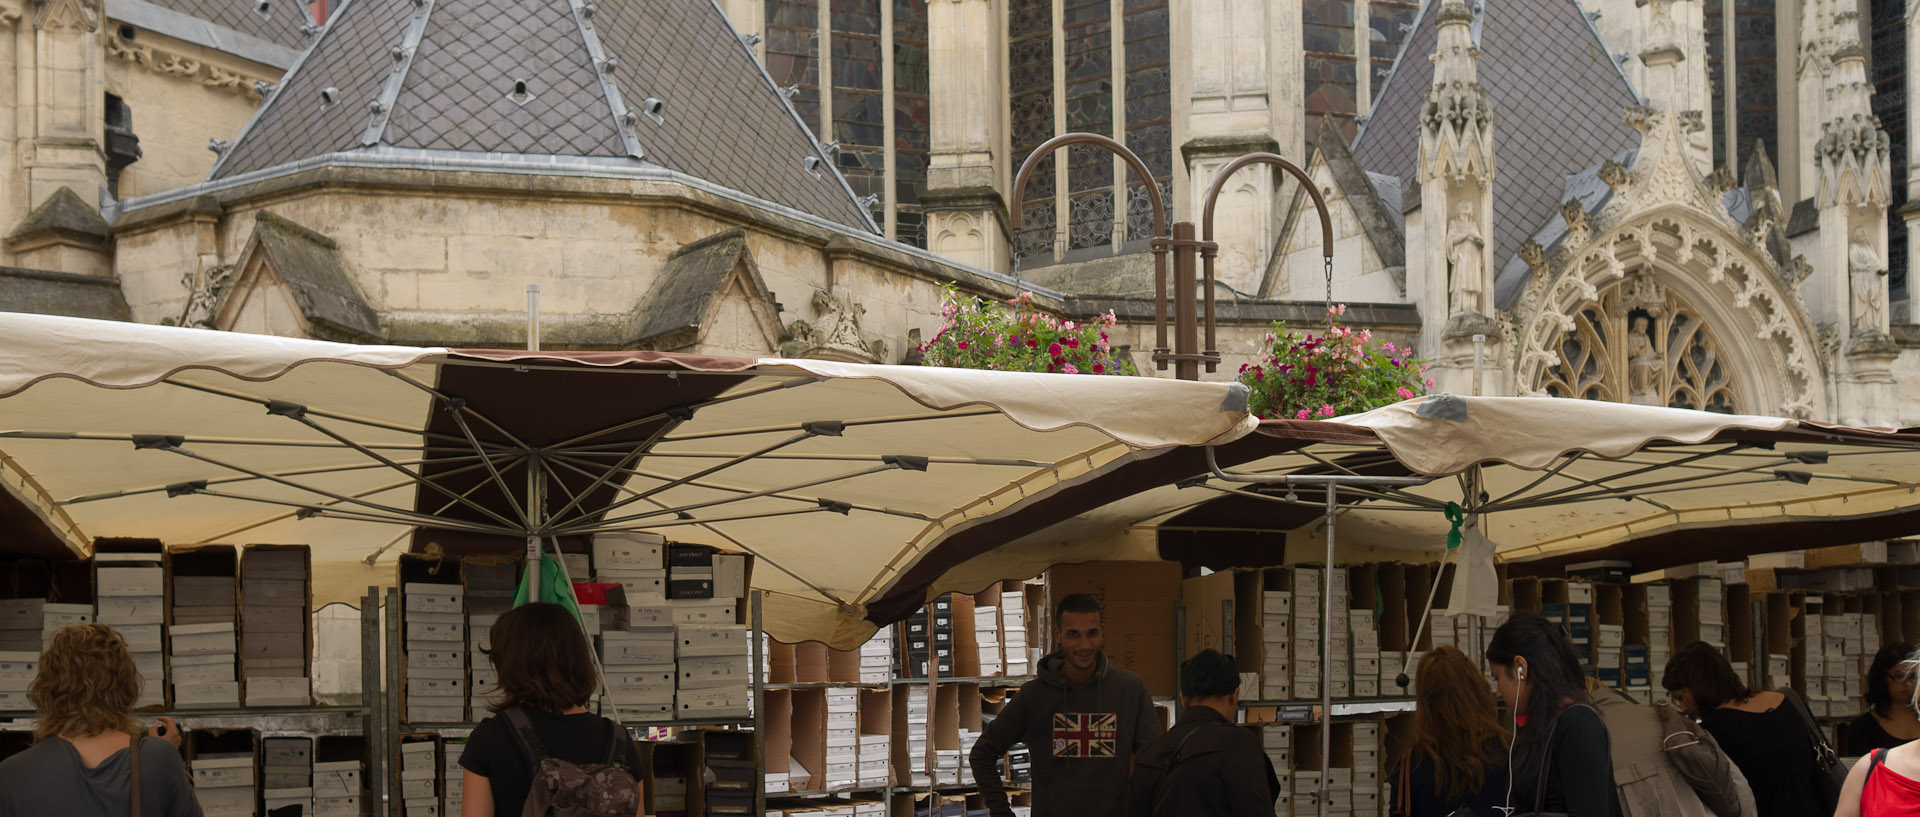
44, 292
447, 83
1592, 193
280, 26
1558, 103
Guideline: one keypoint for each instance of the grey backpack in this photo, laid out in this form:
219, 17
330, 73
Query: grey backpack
562, 788
1707, 770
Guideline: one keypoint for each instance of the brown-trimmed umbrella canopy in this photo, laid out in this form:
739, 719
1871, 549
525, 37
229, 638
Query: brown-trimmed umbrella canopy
1549, 481
839, 478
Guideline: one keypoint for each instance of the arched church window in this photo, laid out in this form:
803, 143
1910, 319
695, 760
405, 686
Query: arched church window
1641, 344
1060, 79
846, 98
1746, 99
1332, 78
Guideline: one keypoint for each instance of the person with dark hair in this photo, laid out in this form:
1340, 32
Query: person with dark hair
1459, 753
545, 664
1082, 720
1889, 720
1560, 760
1886, 782
1760, 730
83, 762
1205, 766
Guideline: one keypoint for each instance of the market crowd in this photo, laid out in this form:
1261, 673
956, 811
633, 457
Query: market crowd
1546, 738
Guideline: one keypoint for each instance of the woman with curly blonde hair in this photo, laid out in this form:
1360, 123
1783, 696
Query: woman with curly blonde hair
79, 764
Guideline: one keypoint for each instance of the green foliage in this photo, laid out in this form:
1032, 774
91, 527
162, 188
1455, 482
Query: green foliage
1017, 337
1312, 376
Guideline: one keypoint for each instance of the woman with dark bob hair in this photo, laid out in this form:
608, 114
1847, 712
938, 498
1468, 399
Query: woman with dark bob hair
82, 760
1562, 762
546, 673
1889, 720
1760, 731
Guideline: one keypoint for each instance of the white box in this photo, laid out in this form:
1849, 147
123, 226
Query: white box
202, 639
704, 611
216, 671
716, 701
130, 581
629, 551
422, 597
130, 610
340, 806
19, 665
279, 691
223, 772
711, 640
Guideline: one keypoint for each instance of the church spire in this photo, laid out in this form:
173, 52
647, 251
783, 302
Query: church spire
1457, 167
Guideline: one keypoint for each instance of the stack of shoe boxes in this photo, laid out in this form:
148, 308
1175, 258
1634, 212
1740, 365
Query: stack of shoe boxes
967, 738
919, 721
1340, 645
56, 616
1365, 628
490, 582
276, 603
1659, 637
1276, 635
637, 651
1276, 739
986, 628
451, 779
1366, 770
712, 671
21, 635
930, 637
636, 562
419, 774
435, 661
1013, 633
1305, 650
728, 758
876, 741
843, 739
1711, 596
876, 657
17, 668
202, 642
223, 782
669, 792
131, 588
1020, 764
336, 788
287, 773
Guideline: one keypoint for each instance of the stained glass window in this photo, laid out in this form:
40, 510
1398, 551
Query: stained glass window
1889, 73
1149, 110
1030, 78
1389, 22
1756, 94
912, 131
793, 53
1716, 80
1088, 30
1332, 85
859, 101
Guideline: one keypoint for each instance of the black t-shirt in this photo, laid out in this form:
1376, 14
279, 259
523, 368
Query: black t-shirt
1866, 734
1773, 750
580, 738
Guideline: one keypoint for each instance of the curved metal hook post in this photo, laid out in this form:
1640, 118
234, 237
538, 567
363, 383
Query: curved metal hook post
1139, 168
1208, 249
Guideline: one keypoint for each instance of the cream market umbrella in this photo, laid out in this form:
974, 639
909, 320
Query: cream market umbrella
838, 478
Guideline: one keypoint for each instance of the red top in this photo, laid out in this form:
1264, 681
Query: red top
1888, 793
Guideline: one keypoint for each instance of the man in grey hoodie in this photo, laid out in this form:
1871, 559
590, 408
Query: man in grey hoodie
1082, 721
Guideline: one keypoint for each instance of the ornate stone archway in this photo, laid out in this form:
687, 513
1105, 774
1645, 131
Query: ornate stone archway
1722, 331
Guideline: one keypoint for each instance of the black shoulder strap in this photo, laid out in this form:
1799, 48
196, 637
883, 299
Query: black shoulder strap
613, 740
1160, 789
1879, 757
524, 734
1546, 759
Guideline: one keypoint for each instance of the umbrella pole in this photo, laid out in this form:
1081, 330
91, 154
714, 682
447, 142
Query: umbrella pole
1326, 660
534, 503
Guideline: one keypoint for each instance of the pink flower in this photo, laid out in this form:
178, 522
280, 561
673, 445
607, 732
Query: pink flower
1070, 369
1069, 325
1326, 410
1032, 343
1073, 343
1304, 414
1053, 349
1429, 382
1405, 393
1099, 369
962, 345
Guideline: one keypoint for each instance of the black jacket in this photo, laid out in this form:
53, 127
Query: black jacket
1081, 737
1205, 766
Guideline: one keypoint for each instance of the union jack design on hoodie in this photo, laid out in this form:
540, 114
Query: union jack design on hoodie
1085, 734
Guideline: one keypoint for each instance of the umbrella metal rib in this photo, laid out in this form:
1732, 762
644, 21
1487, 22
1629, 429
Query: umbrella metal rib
570, 464
493, 473
680, 413
710, 503
310, 489
867, 421
267, 402
300, 417
262, 442
720, 455
735, 460
389, 517
303, 472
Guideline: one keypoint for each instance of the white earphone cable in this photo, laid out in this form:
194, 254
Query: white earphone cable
1507, 810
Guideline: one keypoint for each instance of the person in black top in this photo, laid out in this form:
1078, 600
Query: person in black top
1760, 731
1561, 761
1889, 720
546, 668
1206, 765
1459, 754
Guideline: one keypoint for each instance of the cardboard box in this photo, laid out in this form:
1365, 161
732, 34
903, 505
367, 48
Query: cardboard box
1139, 598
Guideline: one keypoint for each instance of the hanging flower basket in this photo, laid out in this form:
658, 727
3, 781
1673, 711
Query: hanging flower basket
1017, 337
1312, 376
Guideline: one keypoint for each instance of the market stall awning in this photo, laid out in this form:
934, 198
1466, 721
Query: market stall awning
838, 478
1547, 480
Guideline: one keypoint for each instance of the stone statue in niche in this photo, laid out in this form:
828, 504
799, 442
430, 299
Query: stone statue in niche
1466, 255
1868, 277
1644, 363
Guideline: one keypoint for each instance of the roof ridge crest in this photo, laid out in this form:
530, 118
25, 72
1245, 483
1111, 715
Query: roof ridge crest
380, 110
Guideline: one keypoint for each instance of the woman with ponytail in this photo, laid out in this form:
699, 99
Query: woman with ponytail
1561, 761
